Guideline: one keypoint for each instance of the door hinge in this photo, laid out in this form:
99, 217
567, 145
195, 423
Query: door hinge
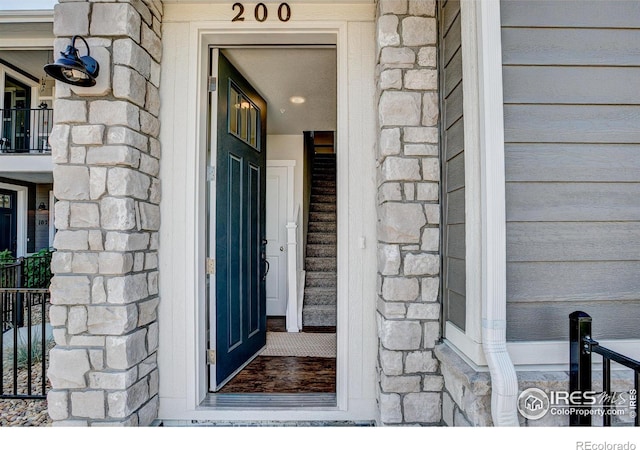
210, 266
211, 173
211, 356
213, 84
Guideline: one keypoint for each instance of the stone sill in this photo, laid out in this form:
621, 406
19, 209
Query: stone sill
470, 390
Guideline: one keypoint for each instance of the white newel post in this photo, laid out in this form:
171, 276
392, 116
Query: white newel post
292, 278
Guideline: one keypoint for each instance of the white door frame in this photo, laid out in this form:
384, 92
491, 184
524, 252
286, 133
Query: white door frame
183, 311
22, 212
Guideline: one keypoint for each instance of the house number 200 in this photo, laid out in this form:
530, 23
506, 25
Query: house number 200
260, 12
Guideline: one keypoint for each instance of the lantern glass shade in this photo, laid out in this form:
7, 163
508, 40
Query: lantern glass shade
73, 69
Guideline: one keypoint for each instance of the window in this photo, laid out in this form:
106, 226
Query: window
244, 117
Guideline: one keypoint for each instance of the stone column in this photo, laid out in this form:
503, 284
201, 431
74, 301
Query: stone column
106, 155
408, 312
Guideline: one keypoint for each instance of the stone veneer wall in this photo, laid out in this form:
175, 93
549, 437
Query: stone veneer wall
408, 311
106, 155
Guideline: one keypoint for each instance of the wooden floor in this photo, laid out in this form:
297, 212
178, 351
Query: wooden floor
285, 374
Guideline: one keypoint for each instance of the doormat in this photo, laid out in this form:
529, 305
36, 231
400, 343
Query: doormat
319, 345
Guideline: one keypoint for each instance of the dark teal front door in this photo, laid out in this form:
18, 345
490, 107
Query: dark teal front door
240, 302
8, 221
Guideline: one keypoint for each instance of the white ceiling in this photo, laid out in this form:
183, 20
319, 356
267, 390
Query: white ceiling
279, 73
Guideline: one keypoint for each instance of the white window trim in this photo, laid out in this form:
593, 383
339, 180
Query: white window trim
469, 342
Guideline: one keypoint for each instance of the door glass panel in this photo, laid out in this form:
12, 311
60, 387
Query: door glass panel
253, 123
243, 117
244, 122
234, 110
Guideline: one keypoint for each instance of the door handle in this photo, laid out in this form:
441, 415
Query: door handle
282, 248
264, 277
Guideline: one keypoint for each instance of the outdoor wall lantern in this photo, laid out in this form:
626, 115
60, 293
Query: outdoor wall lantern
73, 69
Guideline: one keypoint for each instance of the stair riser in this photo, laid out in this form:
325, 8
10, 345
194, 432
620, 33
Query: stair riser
326, 251
314, 299
321, 238
322, 227
311, 318
321, 282
322, 217
323, 199
323, 182
322, 207
321, 264
323, 191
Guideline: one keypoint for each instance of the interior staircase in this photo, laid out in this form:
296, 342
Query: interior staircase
319, 305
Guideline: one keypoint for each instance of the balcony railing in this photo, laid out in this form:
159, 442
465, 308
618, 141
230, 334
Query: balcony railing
25, 130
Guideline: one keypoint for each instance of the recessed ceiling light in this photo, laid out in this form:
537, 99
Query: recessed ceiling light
297, 99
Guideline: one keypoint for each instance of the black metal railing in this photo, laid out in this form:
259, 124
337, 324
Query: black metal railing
24, 349
26, 272
581, 347
25, 130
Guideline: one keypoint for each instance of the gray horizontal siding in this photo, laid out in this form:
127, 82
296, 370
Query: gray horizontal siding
573, 202
570, 13
571, 72
573, 47
557, 85
573, 281
572, 123
573, 162
567, 241
454, 276
550, 321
